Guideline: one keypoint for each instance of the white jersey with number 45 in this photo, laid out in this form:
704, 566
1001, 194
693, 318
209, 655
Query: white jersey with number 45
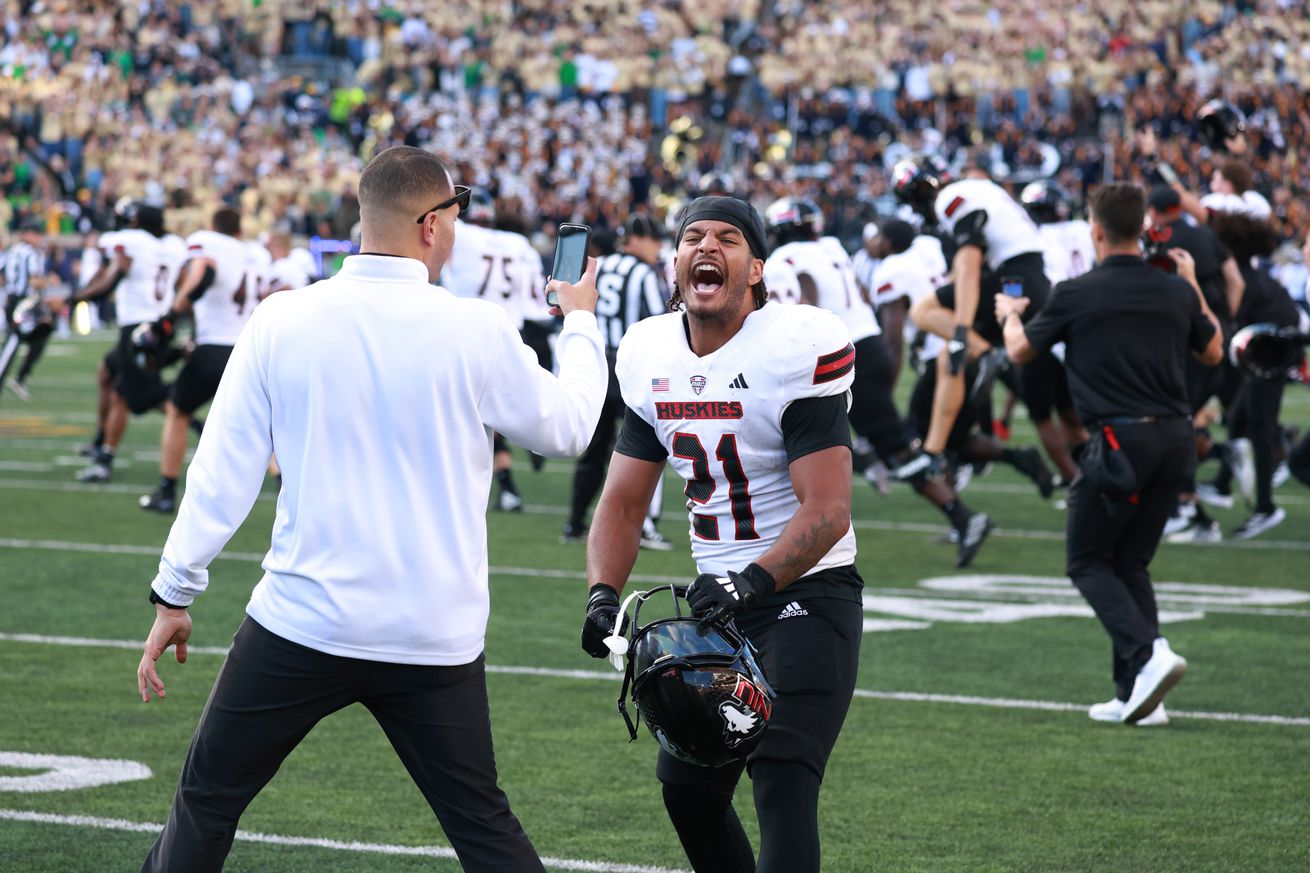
827, 263
225, 306
720, 419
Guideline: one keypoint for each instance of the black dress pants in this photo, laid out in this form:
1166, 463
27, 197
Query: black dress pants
268, 696
1108, 558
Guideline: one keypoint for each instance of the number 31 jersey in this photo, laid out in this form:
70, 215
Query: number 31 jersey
719, 417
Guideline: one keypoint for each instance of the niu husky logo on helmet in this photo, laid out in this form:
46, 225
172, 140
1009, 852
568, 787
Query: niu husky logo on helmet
699, 688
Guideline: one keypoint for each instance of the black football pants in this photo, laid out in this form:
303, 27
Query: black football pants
268, 696
1108, 559
873, 411
1255, 416
810, 661
589, 474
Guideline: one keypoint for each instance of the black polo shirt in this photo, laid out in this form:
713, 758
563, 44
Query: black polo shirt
1129, 329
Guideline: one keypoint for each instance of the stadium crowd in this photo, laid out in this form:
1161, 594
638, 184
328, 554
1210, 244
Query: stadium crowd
594, 109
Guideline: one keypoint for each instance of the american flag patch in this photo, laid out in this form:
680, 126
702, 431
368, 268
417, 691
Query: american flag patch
659, 384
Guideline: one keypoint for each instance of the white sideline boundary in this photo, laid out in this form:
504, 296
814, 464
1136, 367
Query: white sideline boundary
612, 676
118, 824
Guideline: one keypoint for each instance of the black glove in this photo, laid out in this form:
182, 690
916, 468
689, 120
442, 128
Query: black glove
957, 349
713, 597
602, 609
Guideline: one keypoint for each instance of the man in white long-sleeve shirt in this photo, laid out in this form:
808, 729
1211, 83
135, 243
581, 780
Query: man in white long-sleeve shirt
379, 393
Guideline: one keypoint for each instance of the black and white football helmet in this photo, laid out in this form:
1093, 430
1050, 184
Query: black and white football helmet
1267, 351
1220, 122
793, 219
1046, 202
699, 688
917, 181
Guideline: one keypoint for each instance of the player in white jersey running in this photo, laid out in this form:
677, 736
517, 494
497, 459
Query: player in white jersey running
141, 266
287, 268
502, 267
747, 400
219, 289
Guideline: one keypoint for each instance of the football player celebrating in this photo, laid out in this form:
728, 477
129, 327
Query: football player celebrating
140, 268
221, 285
747, 400
997, 248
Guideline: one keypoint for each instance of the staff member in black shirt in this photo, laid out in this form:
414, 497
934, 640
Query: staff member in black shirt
1128, 329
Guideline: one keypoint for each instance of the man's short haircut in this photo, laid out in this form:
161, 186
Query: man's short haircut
1238, 175
227, 220
403, 179
1120, 209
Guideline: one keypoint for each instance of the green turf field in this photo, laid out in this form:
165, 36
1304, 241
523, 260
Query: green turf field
967, 748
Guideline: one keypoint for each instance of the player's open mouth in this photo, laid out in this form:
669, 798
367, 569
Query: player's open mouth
706, 278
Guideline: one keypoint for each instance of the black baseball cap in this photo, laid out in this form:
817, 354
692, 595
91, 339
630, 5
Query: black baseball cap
643, 226
1162, 198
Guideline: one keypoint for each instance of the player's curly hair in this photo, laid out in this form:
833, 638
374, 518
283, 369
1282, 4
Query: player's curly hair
758, 291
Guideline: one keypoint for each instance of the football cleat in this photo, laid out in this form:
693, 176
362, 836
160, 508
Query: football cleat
972, 534
20, 390
921, 465
1197, 531
654, 540
1259, 522
508, 501
573, 533
1213, 496
89, 450
1181, 520
158, 502
879, 477
96, 472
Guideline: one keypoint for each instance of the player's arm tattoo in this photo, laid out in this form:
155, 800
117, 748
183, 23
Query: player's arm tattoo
803, 543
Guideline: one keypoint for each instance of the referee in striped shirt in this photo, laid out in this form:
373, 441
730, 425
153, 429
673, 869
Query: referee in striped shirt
630, 287
25, 275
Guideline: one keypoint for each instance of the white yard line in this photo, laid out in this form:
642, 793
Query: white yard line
118, 824
611, 676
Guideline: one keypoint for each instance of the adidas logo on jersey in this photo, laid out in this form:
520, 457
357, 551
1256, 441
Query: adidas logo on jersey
739, 382
791, 610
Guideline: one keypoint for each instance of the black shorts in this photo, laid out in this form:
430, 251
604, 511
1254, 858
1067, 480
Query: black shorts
198, 381
1029, 268
1045, 387
140, 386
809, 649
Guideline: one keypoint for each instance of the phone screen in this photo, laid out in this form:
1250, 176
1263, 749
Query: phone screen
1012, 286
570, 255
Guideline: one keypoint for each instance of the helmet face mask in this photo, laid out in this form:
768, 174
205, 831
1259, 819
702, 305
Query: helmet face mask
699, 688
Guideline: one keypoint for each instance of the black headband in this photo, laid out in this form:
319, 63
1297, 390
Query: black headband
738, 213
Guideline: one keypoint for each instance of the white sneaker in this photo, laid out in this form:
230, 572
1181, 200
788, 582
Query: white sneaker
879, 477
96, 472
652, 539
509, 502
1259, 522
1243, 461
1180, 520
1197, 532
1113, 711
1156, 678
1281, 474
20, 389
1208, 493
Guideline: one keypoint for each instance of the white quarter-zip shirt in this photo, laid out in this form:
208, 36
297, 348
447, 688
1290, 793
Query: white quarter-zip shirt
379, 393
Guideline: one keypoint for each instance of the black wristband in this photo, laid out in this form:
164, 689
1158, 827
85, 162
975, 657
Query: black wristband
155, 598
761, 580
602, 595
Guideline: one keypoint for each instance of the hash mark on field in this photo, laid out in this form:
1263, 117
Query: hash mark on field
591, 675
137, 827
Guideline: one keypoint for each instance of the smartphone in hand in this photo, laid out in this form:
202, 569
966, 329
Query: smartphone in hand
571, 244
1012, 286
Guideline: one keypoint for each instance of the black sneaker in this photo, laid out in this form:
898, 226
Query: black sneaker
573, 533
537, 461
158, 502
1029, 462
972, 534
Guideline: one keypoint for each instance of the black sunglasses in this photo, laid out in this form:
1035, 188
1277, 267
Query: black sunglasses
463, 194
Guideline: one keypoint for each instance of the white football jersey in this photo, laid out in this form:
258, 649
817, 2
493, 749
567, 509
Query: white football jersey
1069, 249
1009, 231
1251, 203
225, 306
902, 275
834, 280
145, 292
285, 274
494, 265
720, 418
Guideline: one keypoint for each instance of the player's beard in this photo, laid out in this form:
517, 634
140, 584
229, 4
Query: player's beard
723, 308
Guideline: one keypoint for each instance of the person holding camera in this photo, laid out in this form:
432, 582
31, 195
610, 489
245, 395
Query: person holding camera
380, 392
747, 399
1128, 329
